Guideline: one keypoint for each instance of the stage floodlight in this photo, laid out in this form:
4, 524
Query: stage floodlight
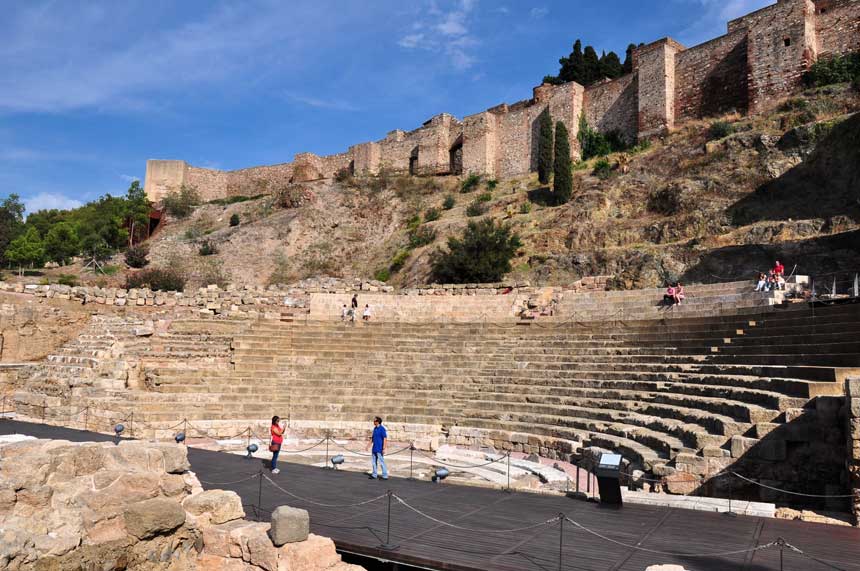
251, 448
440, 474
179, 438
118, 429
337, 461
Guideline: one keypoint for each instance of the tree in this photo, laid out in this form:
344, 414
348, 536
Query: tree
610, 65
573, 66
181, 204
11, 221
234, 220
545, 147
482, 255
137, 213
591, 67
628, 59
562, 186
136, 256
26, 250
61, 243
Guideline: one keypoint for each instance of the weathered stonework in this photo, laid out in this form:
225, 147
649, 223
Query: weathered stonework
760, 60
852, 404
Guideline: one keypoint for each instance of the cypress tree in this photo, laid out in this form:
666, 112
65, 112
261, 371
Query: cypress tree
591, 66
545, 165
628, 60
610, 65
562, 184
573, 66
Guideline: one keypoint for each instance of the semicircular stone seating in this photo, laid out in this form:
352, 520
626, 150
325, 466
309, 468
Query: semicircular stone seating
729, 378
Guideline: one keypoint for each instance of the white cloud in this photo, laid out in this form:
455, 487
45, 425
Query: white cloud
319, 103
538, 13
446, 32
128, 178
49, 200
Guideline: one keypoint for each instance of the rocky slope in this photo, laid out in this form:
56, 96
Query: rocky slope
693, 206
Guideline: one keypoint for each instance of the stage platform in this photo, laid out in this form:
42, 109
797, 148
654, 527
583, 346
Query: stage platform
610, 539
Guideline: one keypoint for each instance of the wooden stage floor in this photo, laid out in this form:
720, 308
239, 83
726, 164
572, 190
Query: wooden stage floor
625, 539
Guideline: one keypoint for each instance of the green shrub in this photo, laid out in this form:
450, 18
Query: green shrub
343, 175
110, 270
719, 130
181, 204
431, 215
68, 279
835, 69
470, 183
207, 248
640, 146
234, 220
794, 104
399, 260
484, 197
421, 237
545, 147
235, 199
602, 169
158, 279
193, 233
492, 184
525, 207
476, 208
595, 144
136, 256
413, 223
449, 202
482, 255
382, 275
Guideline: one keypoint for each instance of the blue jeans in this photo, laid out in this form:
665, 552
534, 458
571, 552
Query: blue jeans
377, 457
275, 458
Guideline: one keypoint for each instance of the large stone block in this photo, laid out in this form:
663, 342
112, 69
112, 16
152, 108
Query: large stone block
289, 525
153, 517
215, 506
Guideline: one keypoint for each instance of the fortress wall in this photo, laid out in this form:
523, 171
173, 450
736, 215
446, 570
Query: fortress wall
331, 164
163, 177
711, 78
480, 140
430, 143
781, 46
518, 127
367, 157
209, 183
837, 26
613, 105
656, 65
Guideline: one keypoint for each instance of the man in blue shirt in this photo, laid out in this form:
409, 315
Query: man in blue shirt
378, 452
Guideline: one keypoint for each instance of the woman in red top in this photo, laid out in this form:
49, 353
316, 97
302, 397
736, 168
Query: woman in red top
277, 439
778, 269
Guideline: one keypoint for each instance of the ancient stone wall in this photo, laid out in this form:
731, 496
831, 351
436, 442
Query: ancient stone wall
852, 404
837, 26
656, 69
759, 61
780, 47
711, 78
613, 106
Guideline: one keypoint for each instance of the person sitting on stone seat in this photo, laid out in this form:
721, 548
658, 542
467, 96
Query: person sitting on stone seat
762, 282
366, 314
679, 293
778, 269
344, 313
669, 296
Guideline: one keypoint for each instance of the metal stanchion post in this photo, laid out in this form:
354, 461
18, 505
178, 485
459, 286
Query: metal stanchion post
327, 437
731, 493
86, 418
249, 436
411, 450
509, 473
560, 538
388, 546
260, 495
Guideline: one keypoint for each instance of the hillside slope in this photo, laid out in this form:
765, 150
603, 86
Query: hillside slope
785, 185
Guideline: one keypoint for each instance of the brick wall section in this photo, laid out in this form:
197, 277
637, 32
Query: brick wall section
781, 46
760, 60
837, 26
852, 402
656, 65
711, 78
613, 106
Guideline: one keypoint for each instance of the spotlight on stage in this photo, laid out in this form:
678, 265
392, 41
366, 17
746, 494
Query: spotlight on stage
440, 474
608, 474
337, 461
118, 429
179, 438
251, 448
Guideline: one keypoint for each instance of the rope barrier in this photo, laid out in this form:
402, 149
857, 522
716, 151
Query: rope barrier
282, 451
316, 503
345, 449
474, 530
459, 465
251, 477
670, 553
824, 562
790, 492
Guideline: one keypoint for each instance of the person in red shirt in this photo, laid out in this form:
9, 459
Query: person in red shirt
277, 439
778, 269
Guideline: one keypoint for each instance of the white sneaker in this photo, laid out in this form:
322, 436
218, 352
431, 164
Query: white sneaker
276, 471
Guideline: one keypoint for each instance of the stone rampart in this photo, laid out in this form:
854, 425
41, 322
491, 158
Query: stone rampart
852, 405
759, 61
711, 78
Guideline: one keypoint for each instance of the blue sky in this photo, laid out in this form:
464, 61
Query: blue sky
90, 90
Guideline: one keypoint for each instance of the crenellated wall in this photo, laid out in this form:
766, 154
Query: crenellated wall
759, 61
